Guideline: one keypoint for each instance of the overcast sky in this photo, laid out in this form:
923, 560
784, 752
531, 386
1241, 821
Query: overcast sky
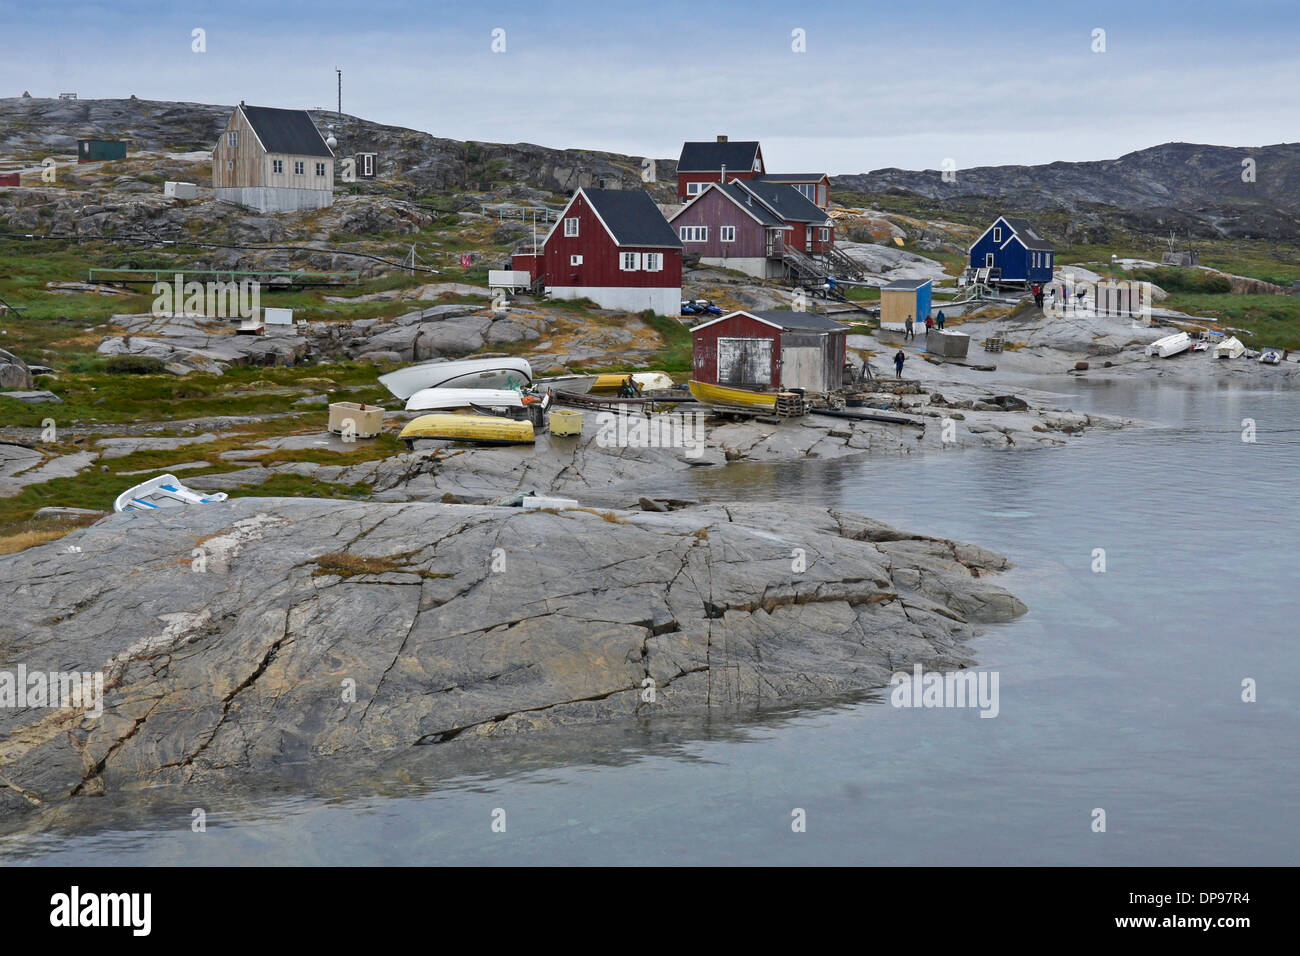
882, 82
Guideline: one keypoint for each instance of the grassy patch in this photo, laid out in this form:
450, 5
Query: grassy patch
18, 536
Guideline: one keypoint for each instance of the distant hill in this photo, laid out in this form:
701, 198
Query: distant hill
1183, 186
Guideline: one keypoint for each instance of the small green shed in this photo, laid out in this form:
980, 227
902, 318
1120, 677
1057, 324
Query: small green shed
99, 150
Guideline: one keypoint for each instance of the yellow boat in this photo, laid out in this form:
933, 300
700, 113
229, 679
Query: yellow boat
480, 429
610, 381
726, 395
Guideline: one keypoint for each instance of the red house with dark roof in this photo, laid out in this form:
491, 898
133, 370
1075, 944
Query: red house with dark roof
702, 163
612, 246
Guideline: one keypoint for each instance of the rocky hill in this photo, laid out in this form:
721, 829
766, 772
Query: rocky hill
1180, 186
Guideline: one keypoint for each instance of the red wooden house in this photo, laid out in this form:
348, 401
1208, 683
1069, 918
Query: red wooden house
614, 247
702, 163
814, 186
766, 350
750, 225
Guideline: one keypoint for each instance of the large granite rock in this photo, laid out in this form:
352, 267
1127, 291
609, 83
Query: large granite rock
326, 627
14, 372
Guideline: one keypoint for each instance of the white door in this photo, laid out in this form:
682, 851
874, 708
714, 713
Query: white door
744, 361
802, 367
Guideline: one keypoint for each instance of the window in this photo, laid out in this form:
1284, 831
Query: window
232, 139
367, 164
629, 261
997, 233
758, 163
806, 189
277, 165
320, 169
727, 234
653, 262
694, 189
821, 194
693, 233
824, 234
1048, 258
988, 260
575, 260
230, 165
298, 166
571, 226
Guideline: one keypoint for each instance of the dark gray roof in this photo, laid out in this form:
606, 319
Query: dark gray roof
632, 217
791, 177
910, 285
786, 201
711, 157
747, 201
800, 320
1027, 234
286, 131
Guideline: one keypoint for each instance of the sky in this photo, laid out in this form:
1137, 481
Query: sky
839, 87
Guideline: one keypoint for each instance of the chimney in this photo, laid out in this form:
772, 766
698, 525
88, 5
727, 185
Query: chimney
722, 138
723, 180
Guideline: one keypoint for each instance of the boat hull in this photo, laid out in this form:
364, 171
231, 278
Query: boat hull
440, 399
480, 429
726, 395
504, 373
1170, 345
1230, 349
165, 491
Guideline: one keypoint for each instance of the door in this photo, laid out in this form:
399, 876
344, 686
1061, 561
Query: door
744, 362
802, 367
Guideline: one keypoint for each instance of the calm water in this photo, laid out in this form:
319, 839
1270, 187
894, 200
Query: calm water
1118, 690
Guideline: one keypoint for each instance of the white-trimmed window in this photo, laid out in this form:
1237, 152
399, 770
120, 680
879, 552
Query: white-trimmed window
997, 233
575, 260
571, 227
726, 233
1047, 260
758, 163
299, 166
693, 233
232, 139
823, 234
652, 262
320, 169
694, 189
988, 260
277, 166
629, 261
807, 190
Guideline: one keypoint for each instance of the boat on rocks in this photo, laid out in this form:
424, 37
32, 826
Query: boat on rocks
1169, 346
165, 491
504, 372
477, 429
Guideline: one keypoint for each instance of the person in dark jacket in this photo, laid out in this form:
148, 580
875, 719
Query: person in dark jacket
938, 320
899, 359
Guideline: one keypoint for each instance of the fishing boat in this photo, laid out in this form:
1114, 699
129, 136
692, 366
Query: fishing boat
727, 395
1270, 357
165, 491
450, 399
479, 429
611, 381
466, 373
1229, 348
1170, 345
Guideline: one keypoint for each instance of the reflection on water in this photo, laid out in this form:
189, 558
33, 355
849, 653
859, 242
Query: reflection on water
1118, 690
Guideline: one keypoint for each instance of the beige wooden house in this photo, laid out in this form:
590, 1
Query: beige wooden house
272, 160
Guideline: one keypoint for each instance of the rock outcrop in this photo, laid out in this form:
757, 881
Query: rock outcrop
245, 636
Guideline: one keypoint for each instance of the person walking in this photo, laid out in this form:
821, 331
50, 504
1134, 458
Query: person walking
939, 320
899, 359
929, 324
908, 332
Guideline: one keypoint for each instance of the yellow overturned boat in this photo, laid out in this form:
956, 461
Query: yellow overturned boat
479, 429
612, 381
726, 395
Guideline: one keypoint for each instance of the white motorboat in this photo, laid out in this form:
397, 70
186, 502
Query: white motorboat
165, 491
450, 399
1229, 348
1270, 357
1170, 345
465, 373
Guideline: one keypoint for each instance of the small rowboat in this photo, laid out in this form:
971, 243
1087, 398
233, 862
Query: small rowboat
165, 491
479, 429
467, 373
1271, 357
447, 399
1170, 345
1229, 348
611, 381
727, 395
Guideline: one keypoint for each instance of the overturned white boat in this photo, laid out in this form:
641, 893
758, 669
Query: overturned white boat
513, 373
1229, 348
450, 399
165, 491
1170, 345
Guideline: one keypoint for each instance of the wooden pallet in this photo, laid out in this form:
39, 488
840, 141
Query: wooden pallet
994, 343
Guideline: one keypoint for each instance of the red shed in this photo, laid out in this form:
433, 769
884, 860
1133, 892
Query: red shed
766, 350
8, 179
614, 246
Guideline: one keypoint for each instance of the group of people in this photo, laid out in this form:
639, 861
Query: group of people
936, 321
1063, 296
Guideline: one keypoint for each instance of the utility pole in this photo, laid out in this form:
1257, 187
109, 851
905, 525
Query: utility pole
340, 109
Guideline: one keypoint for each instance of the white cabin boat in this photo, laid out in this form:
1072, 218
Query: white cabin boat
1229, 348
165, 491
1170, 345
465, 373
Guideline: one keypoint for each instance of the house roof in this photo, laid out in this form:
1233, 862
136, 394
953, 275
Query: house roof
907, 285
746, 201
1028, 236
792, 177
631, 217
810, 321
786, 201
711, 157
286, 131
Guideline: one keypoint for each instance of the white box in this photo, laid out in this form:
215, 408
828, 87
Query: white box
181, 190
277, 316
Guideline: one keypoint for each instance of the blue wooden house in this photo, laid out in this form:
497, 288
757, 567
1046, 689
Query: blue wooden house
1014, 247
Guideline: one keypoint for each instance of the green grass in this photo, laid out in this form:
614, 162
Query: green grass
1269, 320
676, 354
